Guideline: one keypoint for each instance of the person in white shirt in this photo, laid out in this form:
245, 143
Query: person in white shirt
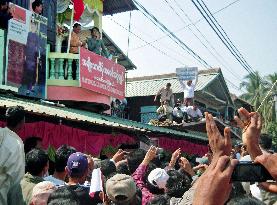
194, 113
188, 88
165, 110
177, 113
12, 157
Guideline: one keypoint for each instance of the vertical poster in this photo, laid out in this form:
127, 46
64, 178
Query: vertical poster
26, 52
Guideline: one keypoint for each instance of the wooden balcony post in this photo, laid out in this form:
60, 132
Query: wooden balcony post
69, 74
61, 71
52, 68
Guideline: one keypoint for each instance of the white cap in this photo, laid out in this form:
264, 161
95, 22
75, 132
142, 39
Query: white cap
158, 177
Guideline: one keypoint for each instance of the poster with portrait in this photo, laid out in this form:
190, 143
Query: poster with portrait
26, 52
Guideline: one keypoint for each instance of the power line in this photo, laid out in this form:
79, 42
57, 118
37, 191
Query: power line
188, 25
177, 40
158, 49
227, 37
220, 35
237, 78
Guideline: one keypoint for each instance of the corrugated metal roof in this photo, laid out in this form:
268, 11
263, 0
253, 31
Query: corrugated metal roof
151, 86
117, 6
92, 118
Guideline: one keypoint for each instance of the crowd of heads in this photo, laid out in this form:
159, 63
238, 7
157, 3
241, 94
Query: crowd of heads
137, 176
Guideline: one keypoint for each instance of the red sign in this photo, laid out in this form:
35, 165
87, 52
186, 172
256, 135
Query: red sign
101, 75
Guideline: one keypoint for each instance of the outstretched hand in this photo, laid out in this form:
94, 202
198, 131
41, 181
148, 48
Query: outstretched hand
251, 125
220, 145
214, 186
186, 166
150, 155
174, 157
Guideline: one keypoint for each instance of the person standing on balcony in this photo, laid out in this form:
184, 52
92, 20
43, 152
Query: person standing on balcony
166, 94
5, 14
95, 43
188, 88
37, 7
75, 41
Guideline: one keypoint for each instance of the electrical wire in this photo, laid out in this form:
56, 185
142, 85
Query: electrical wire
177, 40
180, 29
150, 44
232, 73
221, 36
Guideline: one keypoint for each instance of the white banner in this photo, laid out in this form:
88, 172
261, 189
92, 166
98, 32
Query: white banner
187, 73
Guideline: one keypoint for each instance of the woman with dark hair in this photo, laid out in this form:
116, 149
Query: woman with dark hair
95, 43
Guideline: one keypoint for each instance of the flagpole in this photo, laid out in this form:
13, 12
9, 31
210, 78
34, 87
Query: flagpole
71, 26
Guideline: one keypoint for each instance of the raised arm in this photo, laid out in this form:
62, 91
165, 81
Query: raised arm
158, 93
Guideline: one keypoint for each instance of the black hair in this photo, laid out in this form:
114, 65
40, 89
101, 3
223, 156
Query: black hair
30, 143
168, 84
76, 25
36, 3
177, 184
122, 168
36, 160
3, 2
15, 115
265, 141
95, 28
62, 155
245, 200
108, 168
159, 200
134, 159
63, 196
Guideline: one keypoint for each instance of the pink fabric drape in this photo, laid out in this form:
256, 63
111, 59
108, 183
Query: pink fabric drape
83, 141
93, 142
186, 146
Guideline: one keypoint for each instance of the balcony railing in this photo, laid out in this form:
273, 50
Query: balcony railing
62, 69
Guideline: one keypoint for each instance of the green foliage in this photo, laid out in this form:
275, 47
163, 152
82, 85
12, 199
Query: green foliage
257, 88
51, 153
272, 130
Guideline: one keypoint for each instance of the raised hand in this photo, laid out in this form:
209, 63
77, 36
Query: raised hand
174, 157
214, 187
119, 155
186, 166
150, 155
251, 124
220, 145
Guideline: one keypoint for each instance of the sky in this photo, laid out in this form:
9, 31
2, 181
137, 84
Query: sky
250, 24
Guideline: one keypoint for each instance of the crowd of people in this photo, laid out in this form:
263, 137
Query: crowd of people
132, 177
182, 112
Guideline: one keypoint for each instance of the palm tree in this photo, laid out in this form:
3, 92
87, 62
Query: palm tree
255, 87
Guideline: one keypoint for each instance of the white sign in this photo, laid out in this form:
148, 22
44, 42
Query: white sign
187, 73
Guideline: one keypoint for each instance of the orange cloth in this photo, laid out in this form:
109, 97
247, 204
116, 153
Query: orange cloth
75, 43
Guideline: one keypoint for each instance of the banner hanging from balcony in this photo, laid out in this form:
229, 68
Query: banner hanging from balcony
26, 52
101, 75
